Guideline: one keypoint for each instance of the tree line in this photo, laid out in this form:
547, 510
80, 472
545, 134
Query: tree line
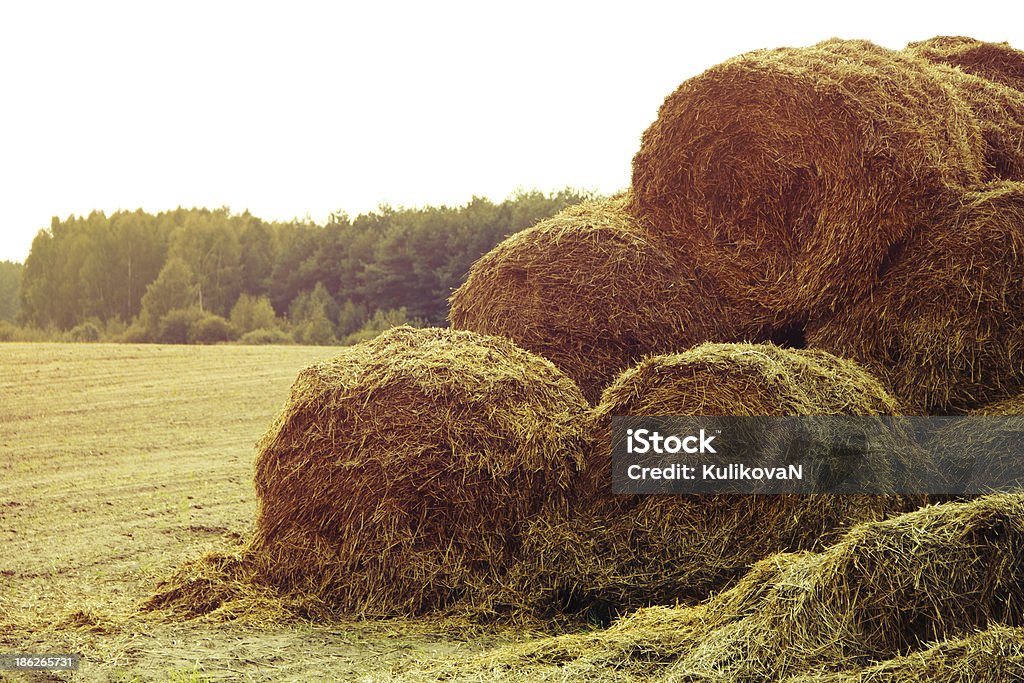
200, 275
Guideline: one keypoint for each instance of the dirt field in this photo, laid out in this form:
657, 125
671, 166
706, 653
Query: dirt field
117, 463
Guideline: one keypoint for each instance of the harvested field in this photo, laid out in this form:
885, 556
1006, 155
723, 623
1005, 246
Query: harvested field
122, 462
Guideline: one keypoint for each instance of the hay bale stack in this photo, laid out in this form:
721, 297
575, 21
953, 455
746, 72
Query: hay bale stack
788, 175
944, 328
401, 474
587, 290
613, 553
886, 592
997, 62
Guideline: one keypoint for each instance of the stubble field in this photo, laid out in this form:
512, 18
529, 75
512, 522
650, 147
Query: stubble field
118, 463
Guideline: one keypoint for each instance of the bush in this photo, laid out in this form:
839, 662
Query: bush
211, 329
85, 332
253, 313
266, 336
8, 331
176, 326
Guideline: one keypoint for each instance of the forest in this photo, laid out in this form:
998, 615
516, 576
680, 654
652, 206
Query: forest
210, 275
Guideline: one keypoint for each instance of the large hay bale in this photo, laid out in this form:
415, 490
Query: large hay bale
401, 474
613, 553
874, 602
998, 62
944, 328
587, 290
788, 175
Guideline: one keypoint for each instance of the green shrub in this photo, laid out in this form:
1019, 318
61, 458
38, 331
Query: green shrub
85, 332
211, 329
176, 326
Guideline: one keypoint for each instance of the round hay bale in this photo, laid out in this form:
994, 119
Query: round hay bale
944, 328
588, 290
613, 553
788, 175
997, 62
401, 474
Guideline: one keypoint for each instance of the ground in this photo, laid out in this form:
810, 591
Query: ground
120, 462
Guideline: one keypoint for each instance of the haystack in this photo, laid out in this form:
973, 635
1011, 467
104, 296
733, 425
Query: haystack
614, 553
898, 597
944, 329
789, 175
587, 290
401, 474
998, 62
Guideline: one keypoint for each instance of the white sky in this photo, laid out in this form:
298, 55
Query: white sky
304, 108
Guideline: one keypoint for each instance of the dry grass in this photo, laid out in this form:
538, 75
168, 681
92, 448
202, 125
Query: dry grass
789, 175
998, 62
121, 462
1013, 406
399, 478
588, 290
610, 554
872, 604
944, 329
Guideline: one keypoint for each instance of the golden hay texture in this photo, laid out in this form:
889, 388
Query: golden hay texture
997, 62
999, 111
902, 599
401, 474
944, 328
788, 175
587, 290
613, 553
1013, 406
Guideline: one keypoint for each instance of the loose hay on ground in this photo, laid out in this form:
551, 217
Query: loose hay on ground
609, 554
885, 590
788, 175
586, 289
944, 329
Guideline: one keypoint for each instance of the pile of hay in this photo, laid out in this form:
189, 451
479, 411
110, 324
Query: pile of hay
944, 329
589, 291
998, 62
922, 596
609, 554
789, 176
401, 474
